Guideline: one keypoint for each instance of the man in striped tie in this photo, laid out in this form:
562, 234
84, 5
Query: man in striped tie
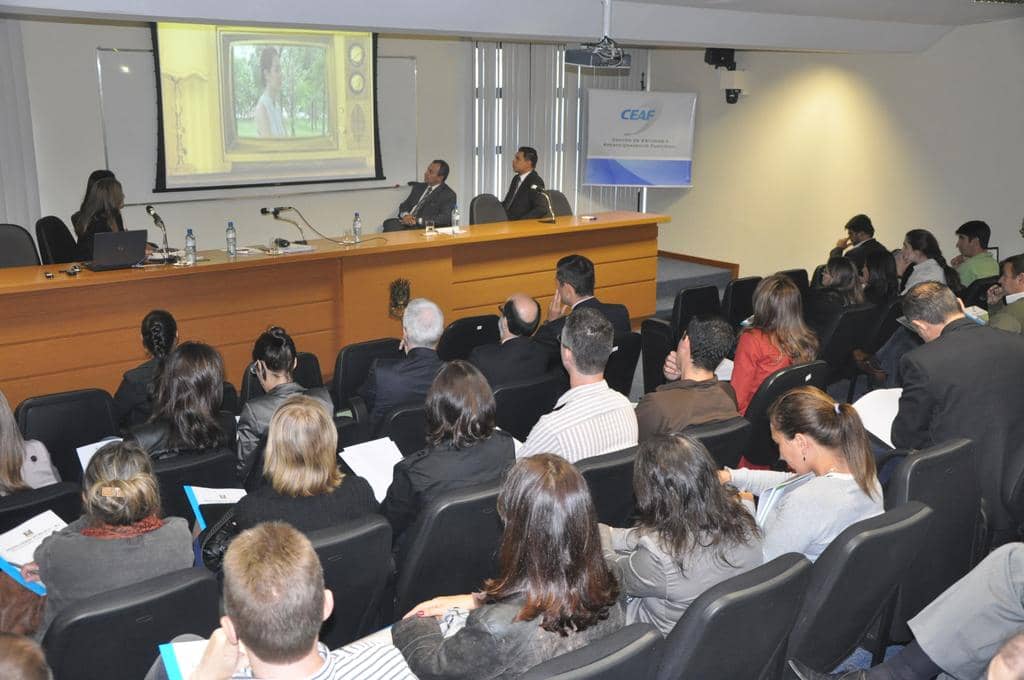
429, 201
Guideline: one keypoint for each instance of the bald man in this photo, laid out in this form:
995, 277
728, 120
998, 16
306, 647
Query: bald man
518, 357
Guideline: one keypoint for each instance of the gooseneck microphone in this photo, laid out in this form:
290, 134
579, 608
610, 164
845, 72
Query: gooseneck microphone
276, 214
551, 209
151, 211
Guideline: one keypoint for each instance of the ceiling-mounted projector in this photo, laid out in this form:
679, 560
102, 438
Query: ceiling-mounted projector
605, 54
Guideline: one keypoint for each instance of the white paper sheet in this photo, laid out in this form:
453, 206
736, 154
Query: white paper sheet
205, 495
19, 544
877, 410
375, 462
85, 453
181, 659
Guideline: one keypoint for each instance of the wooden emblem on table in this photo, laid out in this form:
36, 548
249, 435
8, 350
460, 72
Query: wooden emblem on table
400, 295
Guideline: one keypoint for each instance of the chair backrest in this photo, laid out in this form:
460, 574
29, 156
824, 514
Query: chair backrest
353, 365
762, 450
852, 583
883, 326
738, 299
116, 634
356, 558
407, 427
215, 470
848, 333
230, 402
610, 478
521, 404
307, 373
451, 548
738, 628
64, 498
486, 208
630, 652
799, 277
621, 367
655, 345
559, 203
66, 420
56, 244
817, 276
17, 249
725, 440
944, 478
974, 294
691, 302
462, 335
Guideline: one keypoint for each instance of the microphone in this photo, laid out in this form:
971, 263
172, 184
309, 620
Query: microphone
151, 211
275, 211
551, 209
276, 214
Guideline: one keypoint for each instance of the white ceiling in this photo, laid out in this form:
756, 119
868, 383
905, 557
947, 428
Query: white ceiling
944, 12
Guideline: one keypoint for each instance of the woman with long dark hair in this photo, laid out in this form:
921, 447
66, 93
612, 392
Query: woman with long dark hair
825, 440
24, 464
94, 176
133, 400
777, 338
691, 533
101, 213
186, 415
554, 592
840, 289
878, 277
463, 446
921, 250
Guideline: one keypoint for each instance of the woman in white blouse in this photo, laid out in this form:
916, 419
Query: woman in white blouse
826, 441
922, 250
24, 464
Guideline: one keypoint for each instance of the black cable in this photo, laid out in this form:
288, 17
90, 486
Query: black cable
335, 241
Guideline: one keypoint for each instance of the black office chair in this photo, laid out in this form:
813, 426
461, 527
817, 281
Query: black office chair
66, 420
307, 373
610, 478
738, 299
17, 249
352, 365
356, 558
486, 208
818, 276
725, 440
847, 334
738, 628
974, 294
799, 277
630, 652
462, 335
451, 548
655, 345
762, 450
215, 470
883, 325
559, 203
944, 478
64, 498
621, 367
853, 586
521, 404
116, 634
230, 401
406, 426
691, 302
56, 244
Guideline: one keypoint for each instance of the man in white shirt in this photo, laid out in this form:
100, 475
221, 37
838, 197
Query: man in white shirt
591, 418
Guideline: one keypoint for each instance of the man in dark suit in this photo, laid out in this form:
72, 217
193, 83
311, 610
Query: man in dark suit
859, 242
517, 357
574, 287
524, 200
431, 201
397, 382
965, 381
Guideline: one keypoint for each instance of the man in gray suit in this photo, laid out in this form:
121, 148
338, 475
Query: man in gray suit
431, 201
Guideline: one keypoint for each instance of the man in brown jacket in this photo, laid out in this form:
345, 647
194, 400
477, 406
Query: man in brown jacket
694, 395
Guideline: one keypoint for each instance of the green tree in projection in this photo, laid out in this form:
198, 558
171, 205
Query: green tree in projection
245, 88
304, 93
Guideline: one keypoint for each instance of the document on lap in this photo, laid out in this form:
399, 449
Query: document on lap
18, 546
770, 498
201, 495
375, 462
877, 410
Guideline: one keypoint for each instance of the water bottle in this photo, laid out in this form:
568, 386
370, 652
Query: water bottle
190, 247
232, 239
456, 217
357, 229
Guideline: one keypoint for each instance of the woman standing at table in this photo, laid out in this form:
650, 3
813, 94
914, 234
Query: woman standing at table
101, 213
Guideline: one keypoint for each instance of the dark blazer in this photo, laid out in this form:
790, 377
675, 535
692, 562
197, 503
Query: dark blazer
132, 401
859, 253
528, 204
968, 382
550, 333
155, 437
351, 500
438, 206
395, 382
517, 358
425, 475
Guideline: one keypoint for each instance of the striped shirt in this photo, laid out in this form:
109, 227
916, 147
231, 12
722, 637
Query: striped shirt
587, 421
361, 660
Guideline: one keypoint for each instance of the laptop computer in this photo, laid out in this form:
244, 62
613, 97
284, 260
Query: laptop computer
117, 250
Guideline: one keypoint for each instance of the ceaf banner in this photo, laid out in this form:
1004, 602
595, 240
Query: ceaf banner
640, 138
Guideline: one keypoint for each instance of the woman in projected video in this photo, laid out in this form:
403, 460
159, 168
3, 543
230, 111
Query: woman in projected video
269, 121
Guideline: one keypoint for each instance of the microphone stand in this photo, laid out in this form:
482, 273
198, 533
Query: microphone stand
302, 234
166, 250
551, 209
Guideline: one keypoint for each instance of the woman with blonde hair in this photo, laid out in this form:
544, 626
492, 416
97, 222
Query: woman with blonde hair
776, 338
827, 441
24, 464
120, 539
303, 485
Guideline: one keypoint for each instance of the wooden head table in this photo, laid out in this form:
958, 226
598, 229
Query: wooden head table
69, 333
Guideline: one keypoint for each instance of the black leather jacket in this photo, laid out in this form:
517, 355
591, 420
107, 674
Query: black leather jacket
255, 420
155, 437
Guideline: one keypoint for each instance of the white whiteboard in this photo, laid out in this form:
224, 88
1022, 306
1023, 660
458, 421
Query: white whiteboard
128, 108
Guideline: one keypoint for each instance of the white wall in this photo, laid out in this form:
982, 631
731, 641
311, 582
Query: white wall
60, 60
921, 140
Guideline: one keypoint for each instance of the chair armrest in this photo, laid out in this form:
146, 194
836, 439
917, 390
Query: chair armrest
358, 408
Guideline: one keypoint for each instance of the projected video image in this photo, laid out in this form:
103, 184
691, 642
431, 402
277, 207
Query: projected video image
245, 106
